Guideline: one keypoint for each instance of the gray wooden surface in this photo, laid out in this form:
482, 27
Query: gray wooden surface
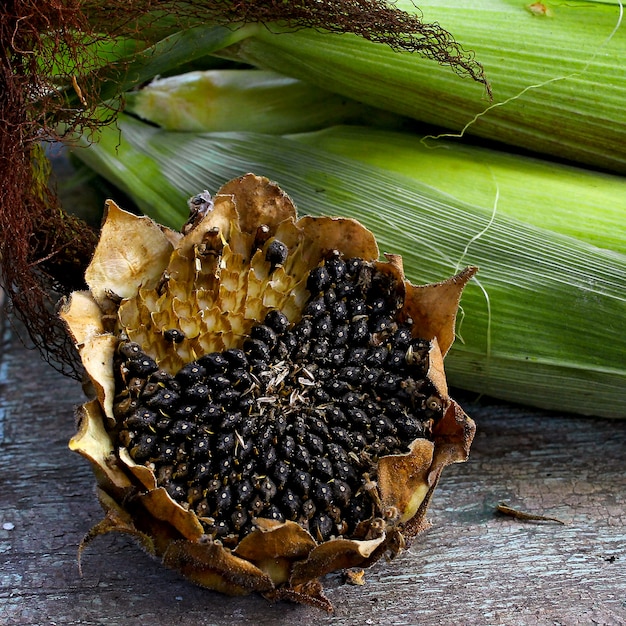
472, 567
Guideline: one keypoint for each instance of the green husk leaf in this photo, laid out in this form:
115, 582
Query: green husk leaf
541, 325
179, 48
247, 100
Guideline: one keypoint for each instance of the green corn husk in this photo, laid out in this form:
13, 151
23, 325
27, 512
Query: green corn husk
541, 325
184, 34
247, 100
558, 79
573, 201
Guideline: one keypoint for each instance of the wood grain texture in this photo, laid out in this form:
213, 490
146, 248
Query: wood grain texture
472, 566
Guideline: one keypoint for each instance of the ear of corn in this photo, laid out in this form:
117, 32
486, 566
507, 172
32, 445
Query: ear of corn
541, 325
573, 201
556, 71
580, 203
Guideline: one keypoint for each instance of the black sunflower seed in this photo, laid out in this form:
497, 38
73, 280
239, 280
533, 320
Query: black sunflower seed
323, 468
173, 335
323, 495
408, 427
321, 527
269, 458
290, 504
341, 335
323, 325
213, 363
342, 493
141, 420
302, 457
276, 253
238, 519
274, 513
308, 510
301, 481
319, 349
266, 488
209, 413
344, 470
142, 365
144, 448
397, 359
236, 359
277, 321
130, 349
225, 444
336, 267
339, 311
280, 473
257, 350
243, 491
402, 338
182, 429
186, 411
336, 357
200, 447
318, 280
164, 400
314, 308
265, 334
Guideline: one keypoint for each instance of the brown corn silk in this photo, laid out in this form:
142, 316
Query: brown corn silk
278, 559
54, 83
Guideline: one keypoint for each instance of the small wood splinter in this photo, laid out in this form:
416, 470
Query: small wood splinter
355, 577
505, 509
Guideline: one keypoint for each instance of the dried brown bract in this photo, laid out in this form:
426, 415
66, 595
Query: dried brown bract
269, 399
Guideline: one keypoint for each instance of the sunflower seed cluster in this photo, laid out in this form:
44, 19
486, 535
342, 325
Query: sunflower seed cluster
290, 426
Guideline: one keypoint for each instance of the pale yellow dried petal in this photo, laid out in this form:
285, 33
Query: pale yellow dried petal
161, 506
132, 252
403, 478
257, 202
94, 443
333, 555
82, 314
144, 474
274, 546
436, 373
337, 233
453, 435
97, 357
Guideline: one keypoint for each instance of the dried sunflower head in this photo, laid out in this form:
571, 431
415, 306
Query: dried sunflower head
269, 401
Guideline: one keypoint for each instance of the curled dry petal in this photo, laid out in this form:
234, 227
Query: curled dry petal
160, 301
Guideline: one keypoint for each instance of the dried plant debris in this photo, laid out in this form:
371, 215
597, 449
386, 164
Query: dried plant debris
504, 509
269, 400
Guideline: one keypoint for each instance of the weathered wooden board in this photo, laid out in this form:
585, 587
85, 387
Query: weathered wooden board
471, 567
